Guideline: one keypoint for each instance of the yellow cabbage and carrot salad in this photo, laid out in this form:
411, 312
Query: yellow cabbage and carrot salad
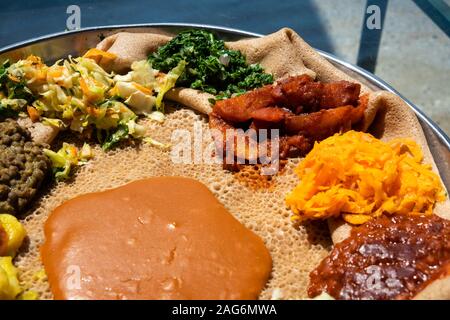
79, 95
66, 157
358, 177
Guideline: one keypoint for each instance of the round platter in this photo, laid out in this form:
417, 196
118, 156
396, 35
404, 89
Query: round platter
56, 46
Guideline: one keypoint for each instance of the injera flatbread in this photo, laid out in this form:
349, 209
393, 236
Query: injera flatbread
296, 249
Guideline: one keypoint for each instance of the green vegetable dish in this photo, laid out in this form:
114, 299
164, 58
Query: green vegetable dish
210, 66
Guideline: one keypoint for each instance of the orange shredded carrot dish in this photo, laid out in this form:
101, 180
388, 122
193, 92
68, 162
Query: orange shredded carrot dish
358, 177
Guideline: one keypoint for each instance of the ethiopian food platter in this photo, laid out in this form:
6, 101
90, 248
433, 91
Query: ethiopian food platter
179, 163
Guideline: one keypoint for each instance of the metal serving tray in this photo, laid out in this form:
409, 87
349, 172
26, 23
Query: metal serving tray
56, 46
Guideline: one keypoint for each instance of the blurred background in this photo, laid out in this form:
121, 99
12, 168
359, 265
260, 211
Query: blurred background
411, 51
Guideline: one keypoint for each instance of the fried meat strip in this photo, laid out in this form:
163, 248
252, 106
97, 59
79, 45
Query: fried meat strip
324, 123
270, 114
298, 94
239, 109
302, 94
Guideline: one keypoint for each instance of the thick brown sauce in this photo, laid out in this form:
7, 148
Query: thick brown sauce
160, 238
386, 258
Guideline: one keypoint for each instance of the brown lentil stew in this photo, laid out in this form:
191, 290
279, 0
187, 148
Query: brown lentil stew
23, 167
386, 258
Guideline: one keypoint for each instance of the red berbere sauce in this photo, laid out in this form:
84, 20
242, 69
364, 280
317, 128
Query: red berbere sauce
386, 258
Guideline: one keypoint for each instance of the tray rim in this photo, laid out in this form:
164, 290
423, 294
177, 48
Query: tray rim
354, 68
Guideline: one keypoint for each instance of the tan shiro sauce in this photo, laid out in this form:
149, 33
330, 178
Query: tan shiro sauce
159, 238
